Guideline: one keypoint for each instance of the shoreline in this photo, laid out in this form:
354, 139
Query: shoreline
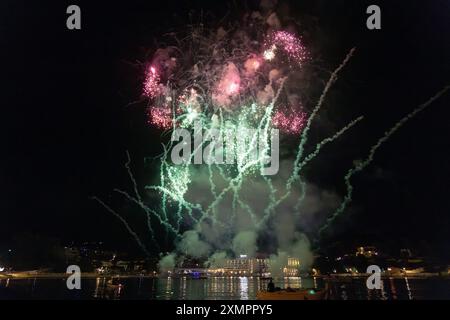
92, 275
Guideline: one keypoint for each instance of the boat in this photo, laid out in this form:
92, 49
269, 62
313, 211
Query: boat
293, 294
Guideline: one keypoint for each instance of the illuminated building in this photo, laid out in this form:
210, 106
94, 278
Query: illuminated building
292, 268
367, 252
258, 266
246, 266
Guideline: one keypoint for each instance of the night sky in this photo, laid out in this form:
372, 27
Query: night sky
66, 120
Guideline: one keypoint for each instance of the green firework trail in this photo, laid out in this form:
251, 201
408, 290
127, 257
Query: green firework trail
360, 166
130, 230
297, 165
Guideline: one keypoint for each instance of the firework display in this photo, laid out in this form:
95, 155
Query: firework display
233, 150
241, 82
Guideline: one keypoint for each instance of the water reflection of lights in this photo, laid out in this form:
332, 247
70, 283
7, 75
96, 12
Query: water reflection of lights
6, 283
293, 282
393, 290
225, 287
344, 295
410, 296
169, 285
183, 286
97, 288
119, 290
231, 284
243, 284
218, 286
33, 286
383, 292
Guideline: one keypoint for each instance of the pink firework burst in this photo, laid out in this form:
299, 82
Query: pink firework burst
160, 117
152, 86
291, 45
290, 123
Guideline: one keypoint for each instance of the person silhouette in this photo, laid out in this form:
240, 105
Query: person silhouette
270, 286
